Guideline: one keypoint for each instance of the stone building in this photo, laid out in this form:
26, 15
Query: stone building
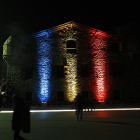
57, 63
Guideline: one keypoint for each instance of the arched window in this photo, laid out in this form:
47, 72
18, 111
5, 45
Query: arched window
71, 46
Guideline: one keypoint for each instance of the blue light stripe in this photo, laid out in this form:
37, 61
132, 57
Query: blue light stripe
44, 62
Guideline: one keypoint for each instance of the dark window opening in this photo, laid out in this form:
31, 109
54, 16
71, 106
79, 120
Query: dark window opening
78, 71
116, 69
84, 70
58, 71
71, 46
28, 73
60, 96
135, 57
71, 51
114, 46
64, 61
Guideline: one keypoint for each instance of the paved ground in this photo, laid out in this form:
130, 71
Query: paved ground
96, 125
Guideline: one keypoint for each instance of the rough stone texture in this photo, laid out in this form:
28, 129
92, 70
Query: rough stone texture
94, 48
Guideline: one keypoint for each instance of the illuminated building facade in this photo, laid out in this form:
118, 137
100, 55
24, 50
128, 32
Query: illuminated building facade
66, 60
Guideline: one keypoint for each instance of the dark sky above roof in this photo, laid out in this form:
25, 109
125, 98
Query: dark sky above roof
24, 17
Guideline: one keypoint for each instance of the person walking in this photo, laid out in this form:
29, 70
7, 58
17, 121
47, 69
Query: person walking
17, 118
1, 100
86, 104
91, 103
75, 104
79, 106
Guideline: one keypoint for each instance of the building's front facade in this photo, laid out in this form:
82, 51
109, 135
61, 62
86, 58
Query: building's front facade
57, 63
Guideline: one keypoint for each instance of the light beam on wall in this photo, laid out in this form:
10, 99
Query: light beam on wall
99, 80
44, 61
71, 79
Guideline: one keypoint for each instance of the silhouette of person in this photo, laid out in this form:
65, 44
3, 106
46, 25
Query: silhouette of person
91, 103
17, 118
79, 106
1, 100
86, 103
3, 87
75, 101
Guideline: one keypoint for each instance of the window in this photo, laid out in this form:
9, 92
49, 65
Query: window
65, 71
135, 56
58, 71
84, 70
60, 96
120, 46
71, 46
28, 72
116, 69
114, 46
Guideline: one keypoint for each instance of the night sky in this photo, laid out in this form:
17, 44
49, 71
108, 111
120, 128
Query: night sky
24, 17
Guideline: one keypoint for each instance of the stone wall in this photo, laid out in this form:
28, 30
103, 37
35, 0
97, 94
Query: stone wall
95, 66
